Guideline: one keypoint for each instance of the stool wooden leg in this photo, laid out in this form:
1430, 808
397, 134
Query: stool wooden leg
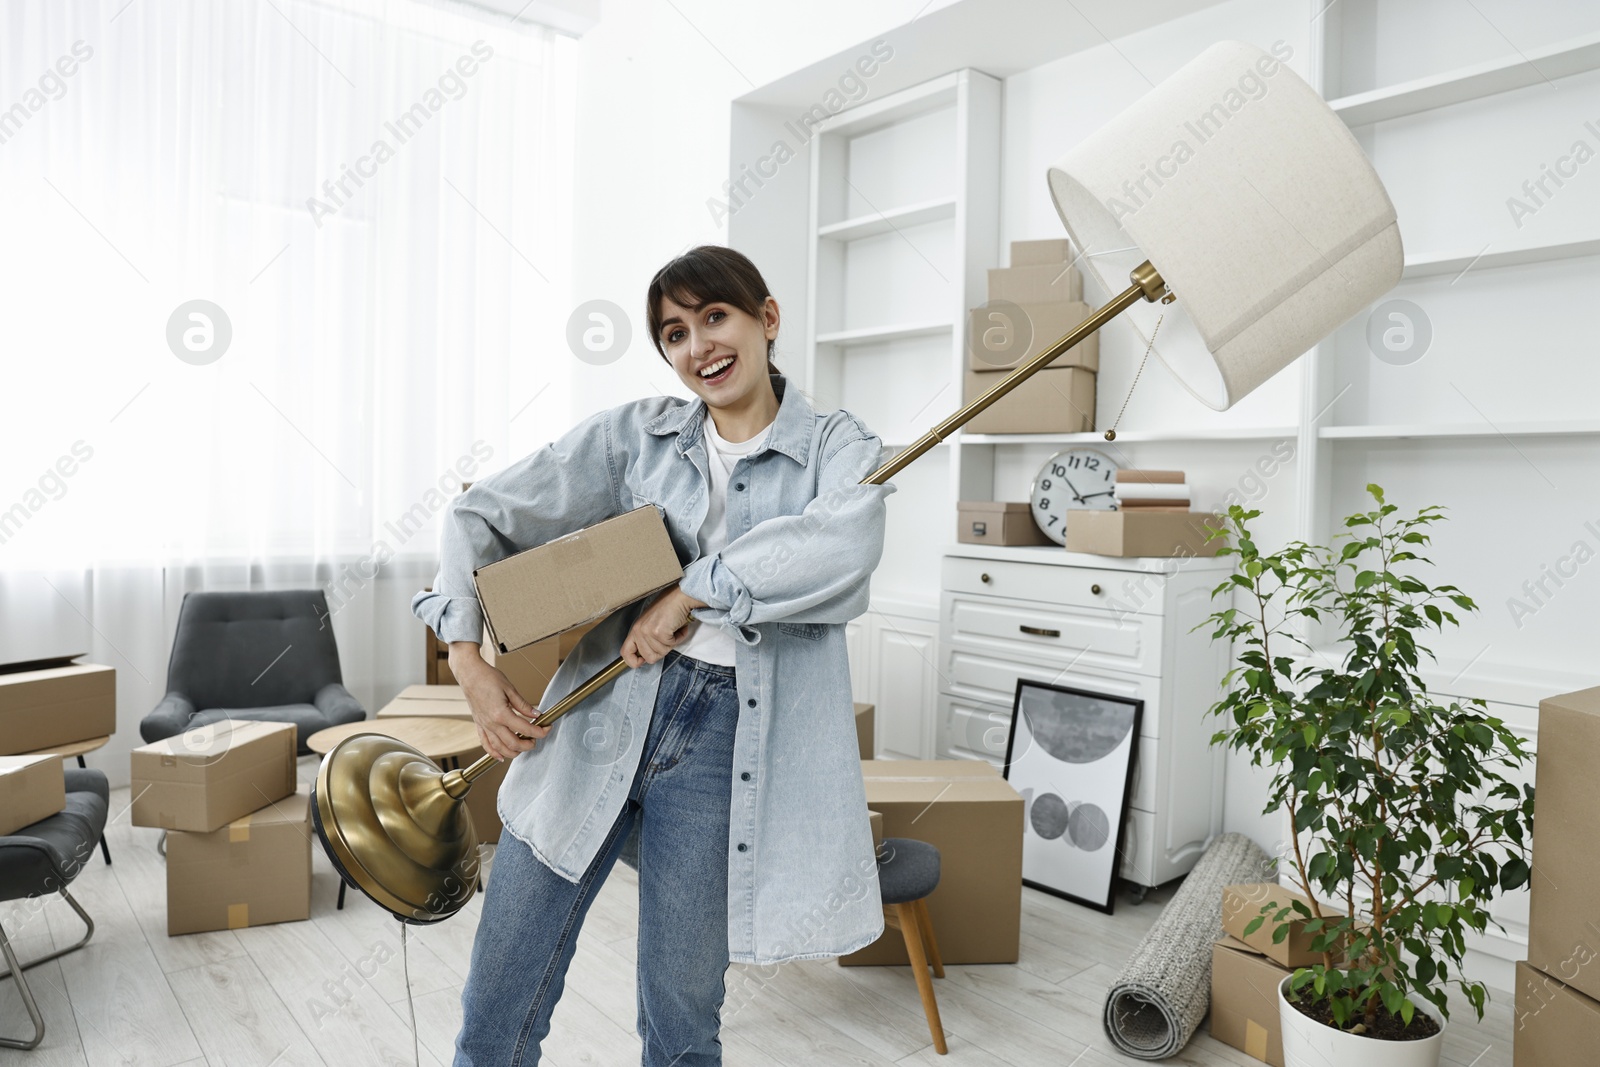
911, 930
927, 936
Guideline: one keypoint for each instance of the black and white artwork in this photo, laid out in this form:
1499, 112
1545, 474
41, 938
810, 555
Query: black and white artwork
1070, 755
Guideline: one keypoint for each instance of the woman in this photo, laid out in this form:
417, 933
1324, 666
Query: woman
723, 767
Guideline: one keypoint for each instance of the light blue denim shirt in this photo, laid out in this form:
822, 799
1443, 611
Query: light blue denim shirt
803, 539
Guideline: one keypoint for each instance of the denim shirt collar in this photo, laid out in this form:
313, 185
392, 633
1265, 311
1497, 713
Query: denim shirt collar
791, 429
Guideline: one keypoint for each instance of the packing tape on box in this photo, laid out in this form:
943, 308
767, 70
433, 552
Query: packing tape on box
238, 916
239, 829
1255, 1039
925, 778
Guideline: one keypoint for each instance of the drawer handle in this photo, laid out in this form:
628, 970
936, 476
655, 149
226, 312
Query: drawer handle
1039, 630
1095, 589
984, 577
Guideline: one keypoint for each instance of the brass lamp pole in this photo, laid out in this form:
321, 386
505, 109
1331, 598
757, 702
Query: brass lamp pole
396, 827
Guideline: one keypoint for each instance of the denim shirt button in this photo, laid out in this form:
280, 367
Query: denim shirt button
739, 486
751, 702
745, 776
743, 847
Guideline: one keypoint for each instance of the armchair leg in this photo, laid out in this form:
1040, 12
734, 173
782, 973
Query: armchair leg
14, 969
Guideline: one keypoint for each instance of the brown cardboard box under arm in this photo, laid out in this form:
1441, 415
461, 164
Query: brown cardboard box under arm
1244, 1000
998, 522
1142, 532
207, 777
44, 703
1553, 1024
31, 788
529, 668
253, 871
1563, 923
1002, 338
1052, 400
571, 580
866, 740
974, 817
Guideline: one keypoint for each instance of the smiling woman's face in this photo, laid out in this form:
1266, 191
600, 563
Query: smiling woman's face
720, 337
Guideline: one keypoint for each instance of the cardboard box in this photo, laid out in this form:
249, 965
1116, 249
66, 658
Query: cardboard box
1000, 338
529, 669
876, 819
866, 740
427, 707
1563, 924
1051, 250
1037, 283
31, 788
584, 576
254, 870
1052, 400
569, 639
1244, 1000
1141, 532
1241, 904
207, 777
1554, 1024
45, 703
974, 817
998, 522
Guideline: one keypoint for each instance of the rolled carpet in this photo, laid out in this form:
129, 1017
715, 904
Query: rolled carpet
1164, 990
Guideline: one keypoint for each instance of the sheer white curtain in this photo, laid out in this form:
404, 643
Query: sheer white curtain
376, 195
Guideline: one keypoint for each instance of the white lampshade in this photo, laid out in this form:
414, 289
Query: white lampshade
1254, 202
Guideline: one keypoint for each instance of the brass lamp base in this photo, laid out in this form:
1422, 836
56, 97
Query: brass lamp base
396, 828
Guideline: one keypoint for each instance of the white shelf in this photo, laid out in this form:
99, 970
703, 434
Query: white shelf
1471, 83
868, 335
1241, 433
1402, 431
1062, 558
931, 95
881, 222
1428, 266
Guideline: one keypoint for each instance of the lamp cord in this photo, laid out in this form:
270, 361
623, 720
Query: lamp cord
1111, 434
411, 1003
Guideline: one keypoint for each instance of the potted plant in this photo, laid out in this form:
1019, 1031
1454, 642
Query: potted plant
1399, 805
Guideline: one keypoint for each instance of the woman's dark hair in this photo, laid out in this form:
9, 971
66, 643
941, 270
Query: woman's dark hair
704, 275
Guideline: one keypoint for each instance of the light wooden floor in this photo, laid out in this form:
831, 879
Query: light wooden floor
331, 990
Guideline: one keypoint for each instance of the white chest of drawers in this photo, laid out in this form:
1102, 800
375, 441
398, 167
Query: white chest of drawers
1109, 625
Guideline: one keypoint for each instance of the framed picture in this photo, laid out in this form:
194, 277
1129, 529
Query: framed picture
1070, 754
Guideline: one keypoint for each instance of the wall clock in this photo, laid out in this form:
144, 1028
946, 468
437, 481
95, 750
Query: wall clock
1071, 479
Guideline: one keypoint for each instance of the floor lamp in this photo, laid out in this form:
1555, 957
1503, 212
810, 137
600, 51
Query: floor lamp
1230, 192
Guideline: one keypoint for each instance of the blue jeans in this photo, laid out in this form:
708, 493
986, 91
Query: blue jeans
531, 916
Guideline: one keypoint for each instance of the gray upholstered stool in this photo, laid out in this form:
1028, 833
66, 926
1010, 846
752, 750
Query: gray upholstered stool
42, 858
908, 871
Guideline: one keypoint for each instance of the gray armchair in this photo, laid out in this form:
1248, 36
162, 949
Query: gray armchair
267, 655
42, 858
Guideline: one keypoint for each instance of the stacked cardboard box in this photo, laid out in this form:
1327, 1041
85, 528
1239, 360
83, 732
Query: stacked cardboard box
1558, 988
998, 522
31, 788
239, 834
1246, 970
1032, 304
866, 740
974, 817
53, 702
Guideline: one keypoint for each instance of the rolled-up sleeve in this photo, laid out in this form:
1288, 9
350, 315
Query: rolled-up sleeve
812, 567
568, 484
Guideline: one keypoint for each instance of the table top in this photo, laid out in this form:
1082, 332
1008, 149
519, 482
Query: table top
74, 748
436, 738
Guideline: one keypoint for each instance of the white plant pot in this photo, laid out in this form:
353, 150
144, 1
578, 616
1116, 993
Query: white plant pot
1308, 1043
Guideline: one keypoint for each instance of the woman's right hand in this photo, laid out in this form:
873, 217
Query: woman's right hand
498, 711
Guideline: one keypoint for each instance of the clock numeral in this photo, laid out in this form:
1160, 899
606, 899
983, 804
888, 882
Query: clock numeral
1044, 502
1054, 519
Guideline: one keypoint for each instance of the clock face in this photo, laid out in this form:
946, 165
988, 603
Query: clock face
1075, 478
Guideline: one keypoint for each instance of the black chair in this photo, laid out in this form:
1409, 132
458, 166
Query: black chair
42, 858
267, 655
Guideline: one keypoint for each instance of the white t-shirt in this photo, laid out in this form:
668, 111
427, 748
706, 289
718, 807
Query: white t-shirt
712, 643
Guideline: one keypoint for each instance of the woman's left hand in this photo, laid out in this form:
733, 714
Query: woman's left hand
664, 624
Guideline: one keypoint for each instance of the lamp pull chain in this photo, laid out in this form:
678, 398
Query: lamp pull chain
1111, 434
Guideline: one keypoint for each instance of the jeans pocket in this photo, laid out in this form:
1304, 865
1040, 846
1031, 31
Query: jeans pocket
811, 631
